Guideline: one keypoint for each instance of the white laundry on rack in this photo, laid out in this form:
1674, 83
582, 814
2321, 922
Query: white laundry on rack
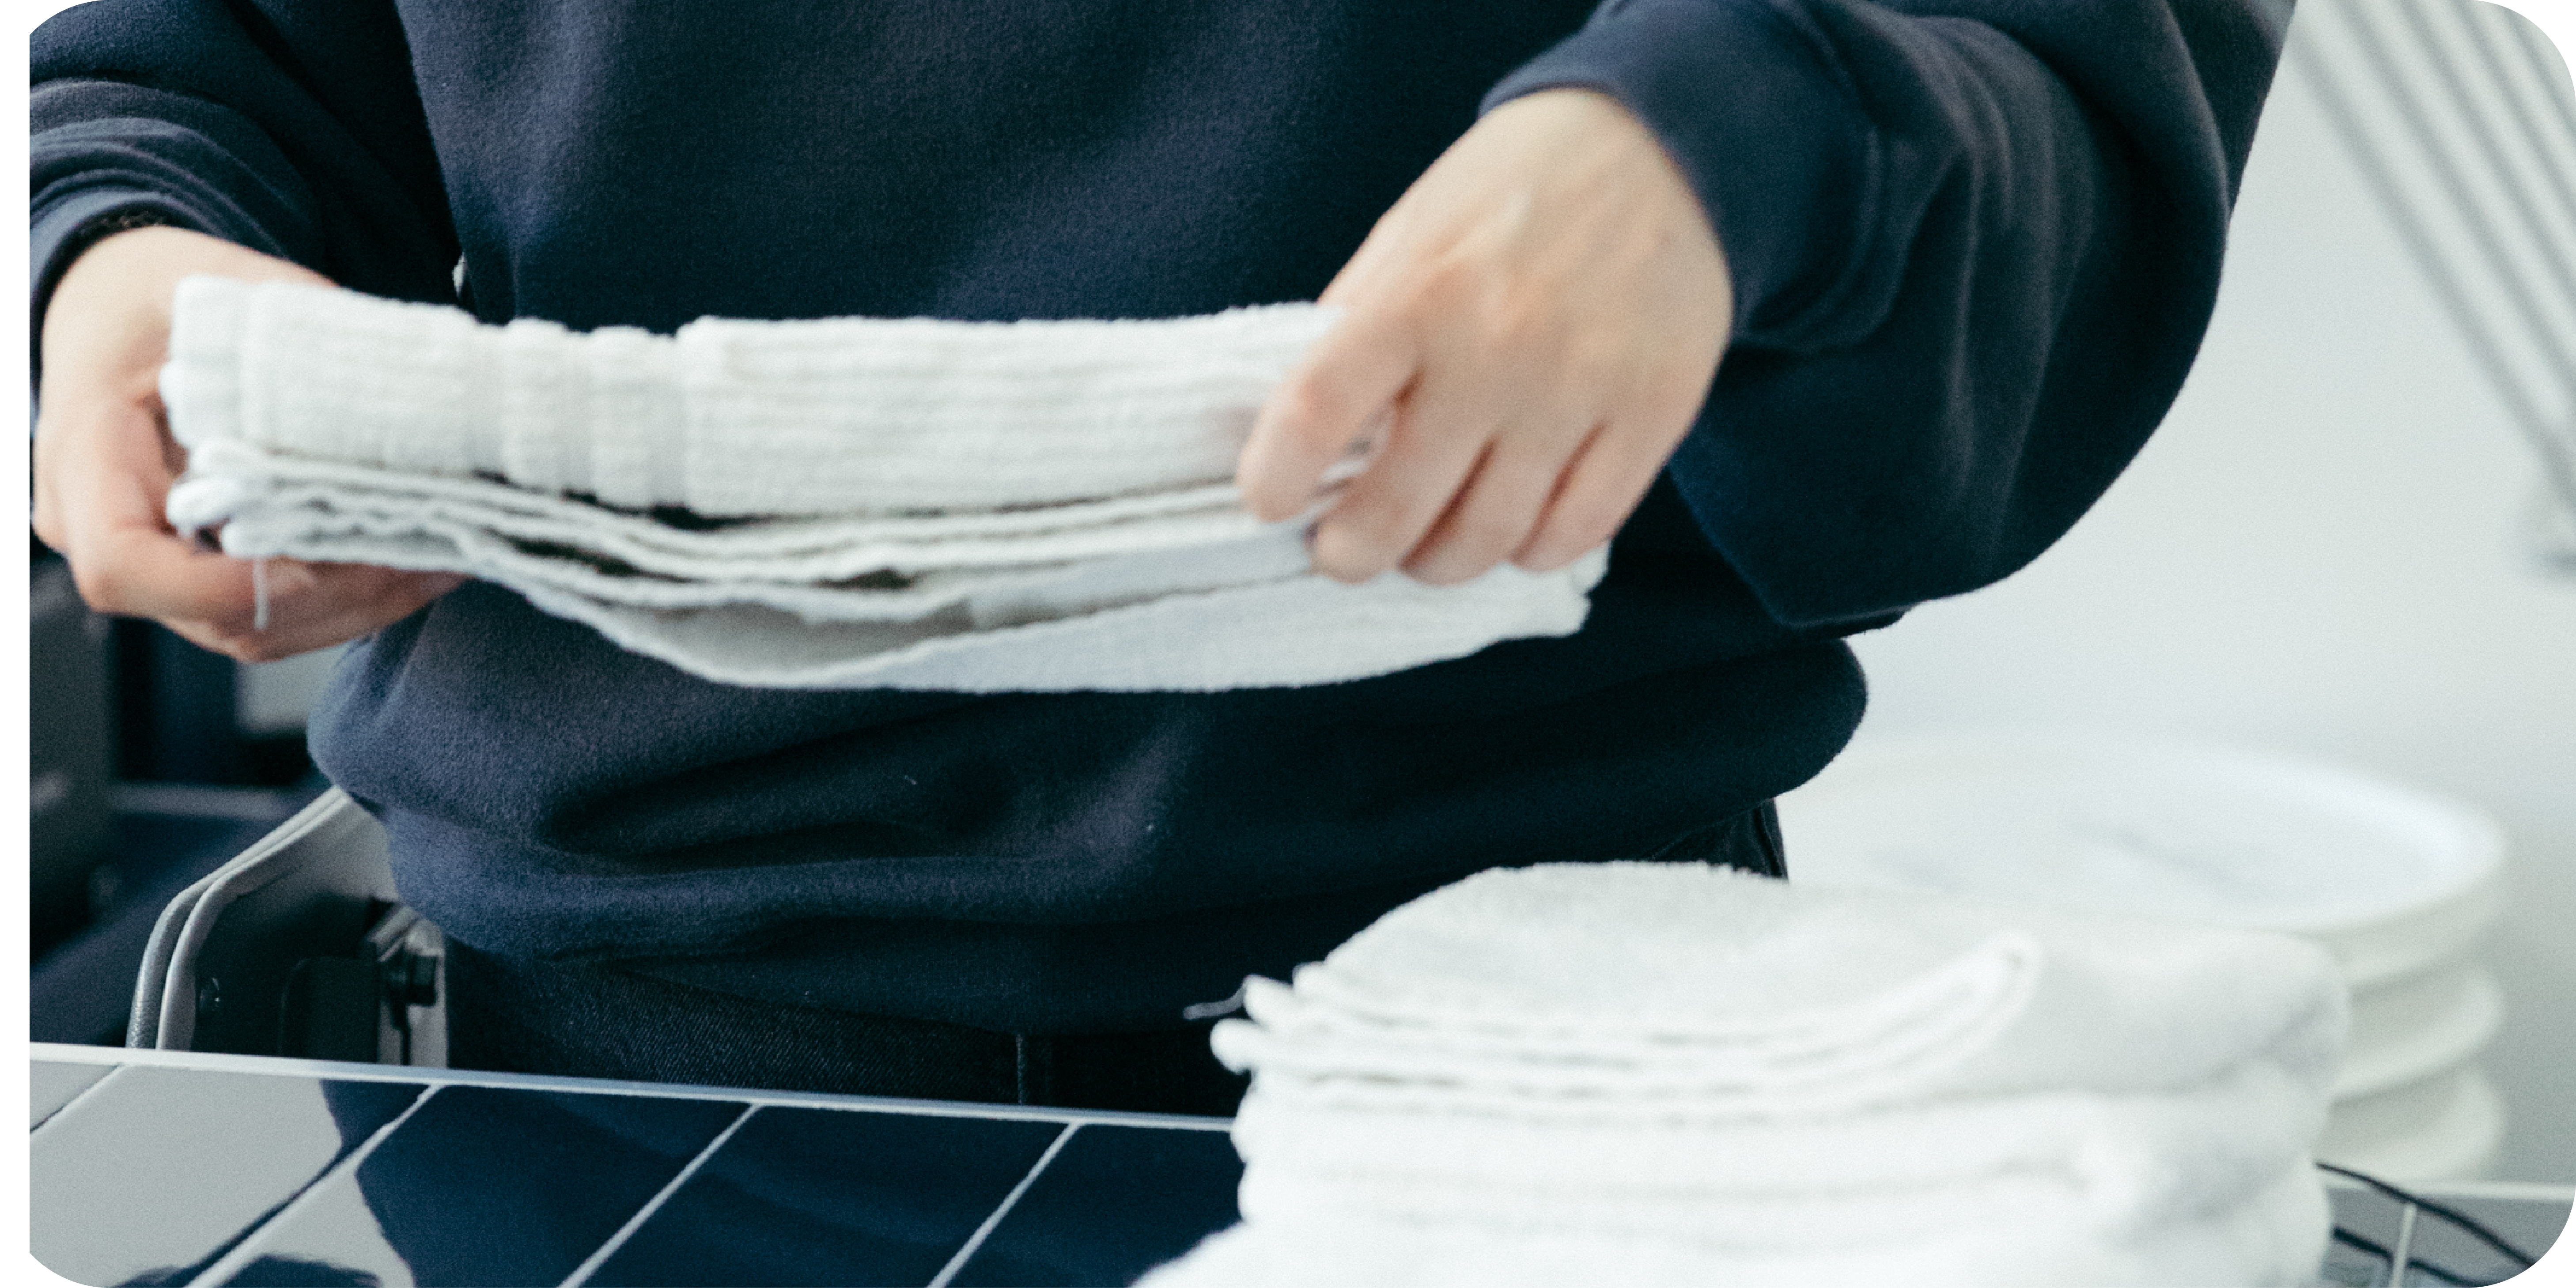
2274, 1238
1699, 1075
2114, 1163
1737, 990
836, 503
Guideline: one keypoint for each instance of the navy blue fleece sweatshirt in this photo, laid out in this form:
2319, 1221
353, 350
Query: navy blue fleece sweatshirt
1974, 245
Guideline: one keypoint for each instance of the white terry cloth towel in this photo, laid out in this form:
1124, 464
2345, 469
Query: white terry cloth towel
2273, 1240
2118, 1164
1787, 1085
837, 503
1739, 994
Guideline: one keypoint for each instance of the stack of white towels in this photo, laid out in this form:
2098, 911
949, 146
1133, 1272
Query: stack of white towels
1679, 1074
840, 503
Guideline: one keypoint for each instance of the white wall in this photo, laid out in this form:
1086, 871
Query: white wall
2323, 551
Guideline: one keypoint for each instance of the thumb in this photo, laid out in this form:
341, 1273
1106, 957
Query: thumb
1334, 399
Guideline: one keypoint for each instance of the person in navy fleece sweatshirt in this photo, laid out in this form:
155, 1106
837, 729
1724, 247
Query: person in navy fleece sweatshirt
1816, 309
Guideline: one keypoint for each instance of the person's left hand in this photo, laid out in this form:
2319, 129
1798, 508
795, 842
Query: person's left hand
1535, 323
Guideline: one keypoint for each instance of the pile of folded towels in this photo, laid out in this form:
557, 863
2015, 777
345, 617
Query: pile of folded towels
1678, 1074
1039, 505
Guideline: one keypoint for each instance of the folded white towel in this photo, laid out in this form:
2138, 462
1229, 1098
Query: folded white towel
840, 503
837, 416
1683, 1073
2275, 1238
1747, 996
2118, 1164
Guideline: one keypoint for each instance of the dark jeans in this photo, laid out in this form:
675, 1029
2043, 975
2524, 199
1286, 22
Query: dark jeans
595, 1021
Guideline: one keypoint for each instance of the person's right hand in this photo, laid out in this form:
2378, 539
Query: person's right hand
104, 462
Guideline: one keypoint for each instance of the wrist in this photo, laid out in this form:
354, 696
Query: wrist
114, 301
65, 229
87, 237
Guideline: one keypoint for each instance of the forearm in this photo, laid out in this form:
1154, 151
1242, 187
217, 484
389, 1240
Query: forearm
169, 112
302, 140
105, 157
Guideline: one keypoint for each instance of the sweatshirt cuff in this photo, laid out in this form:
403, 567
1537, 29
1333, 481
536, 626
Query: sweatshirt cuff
63, 228
1749, 100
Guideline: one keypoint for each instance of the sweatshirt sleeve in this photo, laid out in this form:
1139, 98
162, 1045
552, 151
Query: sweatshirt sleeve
288, 126
1974, 243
